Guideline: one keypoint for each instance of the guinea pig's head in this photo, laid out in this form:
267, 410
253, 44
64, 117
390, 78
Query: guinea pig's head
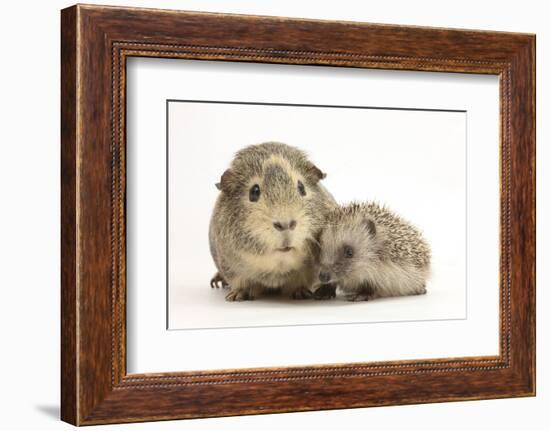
348, 245
274, 189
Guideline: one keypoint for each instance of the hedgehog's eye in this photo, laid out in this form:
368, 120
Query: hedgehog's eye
254, 193
348, 251
301, 188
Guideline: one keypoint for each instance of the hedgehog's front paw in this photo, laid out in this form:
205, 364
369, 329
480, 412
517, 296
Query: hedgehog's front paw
365, 292
218, 281
358, 296
301, 293
245, 294
325, 291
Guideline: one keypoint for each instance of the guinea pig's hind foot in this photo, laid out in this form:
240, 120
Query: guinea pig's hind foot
325, 291
301, 293
421, 291
240, 295
218, 281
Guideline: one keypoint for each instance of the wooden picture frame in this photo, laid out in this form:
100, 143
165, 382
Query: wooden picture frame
95, 43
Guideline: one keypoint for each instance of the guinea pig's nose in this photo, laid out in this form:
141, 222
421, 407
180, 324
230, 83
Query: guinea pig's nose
324, 277
284, 226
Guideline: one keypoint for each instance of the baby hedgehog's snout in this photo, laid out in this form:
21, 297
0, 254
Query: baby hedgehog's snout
324, 276
327, 287
328, 272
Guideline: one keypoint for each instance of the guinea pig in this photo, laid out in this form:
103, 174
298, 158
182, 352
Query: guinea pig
368, 251
264, 224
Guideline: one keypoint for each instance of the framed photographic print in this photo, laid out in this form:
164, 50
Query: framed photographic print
266, 214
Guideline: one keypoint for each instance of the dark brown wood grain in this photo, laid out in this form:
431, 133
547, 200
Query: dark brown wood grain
68, 216
95, 43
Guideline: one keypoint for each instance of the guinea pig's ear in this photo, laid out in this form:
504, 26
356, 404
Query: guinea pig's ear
370, 226
227, 181
315, 173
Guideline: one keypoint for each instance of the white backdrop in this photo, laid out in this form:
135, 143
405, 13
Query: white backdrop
413, 161
29, 221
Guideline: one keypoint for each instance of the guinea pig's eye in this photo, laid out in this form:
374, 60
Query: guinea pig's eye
301, 188
254, 193
348, 251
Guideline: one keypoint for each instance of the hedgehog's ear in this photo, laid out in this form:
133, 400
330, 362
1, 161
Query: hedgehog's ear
227, 181
370, 226
315, 173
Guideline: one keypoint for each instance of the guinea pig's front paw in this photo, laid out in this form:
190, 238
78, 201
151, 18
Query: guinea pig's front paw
325, 291
240, 295
301, 293
218, 281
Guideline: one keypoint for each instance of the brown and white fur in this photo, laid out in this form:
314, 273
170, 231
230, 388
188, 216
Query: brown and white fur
367, 251
263, 227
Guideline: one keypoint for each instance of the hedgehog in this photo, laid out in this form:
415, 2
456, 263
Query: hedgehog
265, 222
367, 252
